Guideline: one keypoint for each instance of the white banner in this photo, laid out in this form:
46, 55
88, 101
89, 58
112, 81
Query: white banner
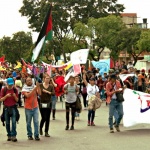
123, 77
79, 57
136, 108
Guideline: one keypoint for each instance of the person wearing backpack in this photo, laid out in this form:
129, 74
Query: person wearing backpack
92, 89
71, 90
9, 97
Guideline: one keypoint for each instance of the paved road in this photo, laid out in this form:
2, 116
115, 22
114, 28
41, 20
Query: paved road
82, 138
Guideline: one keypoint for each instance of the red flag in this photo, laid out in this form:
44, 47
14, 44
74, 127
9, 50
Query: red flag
2, 59
77, 69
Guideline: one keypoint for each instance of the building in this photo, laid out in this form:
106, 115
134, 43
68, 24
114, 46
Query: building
129, 19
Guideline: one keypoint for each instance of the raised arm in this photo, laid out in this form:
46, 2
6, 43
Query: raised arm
84, 79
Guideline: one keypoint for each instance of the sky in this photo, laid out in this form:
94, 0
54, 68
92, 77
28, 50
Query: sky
11, 20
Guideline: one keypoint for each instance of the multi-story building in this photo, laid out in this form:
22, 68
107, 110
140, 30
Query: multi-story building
129, 19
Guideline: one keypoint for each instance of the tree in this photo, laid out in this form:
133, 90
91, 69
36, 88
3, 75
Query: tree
17, 47
102, 32
143, 43
128, 40
66, 14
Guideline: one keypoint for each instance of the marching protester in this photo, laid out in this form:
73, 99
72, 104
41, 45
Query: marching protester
71, 90
9, 97
112, 88
140, 84
92, 89
47, 90
77, 82
100, 84
54, 98
18, 85
30, 92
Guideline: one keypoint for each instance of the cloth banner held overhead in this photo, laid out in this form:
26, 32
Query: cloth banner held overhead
103, 65
77, 69
123, 77
79, 56
136, 108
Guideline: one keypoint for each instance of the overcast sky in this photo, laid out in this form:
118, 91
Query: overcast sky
11, 20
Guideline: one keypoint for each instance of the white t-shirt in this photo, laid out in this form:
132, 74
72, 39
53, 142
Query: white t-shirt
114, 95
91, 90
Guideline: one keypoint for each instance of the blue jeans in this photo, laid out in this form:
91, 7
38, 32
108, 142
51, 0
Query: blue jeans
32, 113
115, 106
10, 131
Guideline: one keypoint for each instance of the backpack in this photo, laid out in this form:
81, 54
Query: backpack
3, 112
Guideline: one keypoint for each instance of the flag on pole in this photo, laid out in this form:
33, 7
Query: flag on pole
45, 34
80, 56
2, 59
136, 108
77, 69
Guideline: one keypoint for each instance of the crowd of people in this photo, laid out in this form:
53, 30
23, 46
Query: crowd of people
38, 94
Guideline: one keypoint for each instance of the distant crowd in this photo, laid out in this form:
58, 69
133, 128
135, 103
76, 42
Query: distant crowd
40, 95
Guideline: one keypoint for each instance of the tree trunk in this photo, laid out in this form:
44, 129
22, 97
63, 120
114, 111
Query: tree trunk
64, 55
135, 60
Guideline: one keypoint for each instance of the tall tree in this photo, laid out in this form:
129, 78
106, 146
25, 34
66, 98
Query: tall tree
66, 14
128, 39
101, 32
19, 46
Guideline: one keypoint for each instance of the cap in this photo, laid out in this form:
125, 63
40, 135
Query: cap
10, 81
143, 70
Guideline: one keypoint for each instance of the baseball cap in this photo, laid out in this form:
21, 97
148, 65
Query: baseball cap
10, 81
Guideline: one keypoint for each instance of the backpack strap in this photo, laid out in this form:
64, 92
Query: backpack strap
5, 90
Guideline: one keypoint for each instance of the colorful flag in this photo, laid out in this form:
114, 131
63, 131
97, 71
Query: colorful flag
136, 108
80, 56
45, 34
2, 59
77, 69
19, 65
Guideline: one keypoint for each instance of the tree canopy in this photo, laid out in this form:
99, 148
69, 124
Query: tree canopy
102, 32
16, 47
66, 14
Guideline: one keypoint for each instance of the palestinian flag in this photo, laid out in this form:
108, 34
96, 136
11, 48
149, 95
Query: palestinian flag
45, 34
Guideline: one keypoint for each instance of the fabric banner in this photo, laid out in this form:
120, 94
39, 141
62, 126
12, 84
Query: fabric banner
136, 108
123, 77
79, 56
103, 65
77, 69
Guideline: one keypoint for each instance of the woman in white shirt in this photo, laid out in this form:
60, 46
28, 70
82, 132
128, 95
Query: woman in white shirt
92, 89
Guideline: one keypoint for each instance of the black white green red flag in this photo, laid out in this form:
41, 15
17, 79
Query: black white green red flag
45, 34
